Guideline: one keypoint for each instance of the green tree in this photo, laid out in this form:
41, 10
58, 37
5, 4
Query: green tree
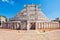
4, 17
0, 22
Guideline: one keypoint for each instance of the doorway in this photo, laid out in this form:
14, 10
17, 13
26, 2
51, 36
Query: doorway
32, 26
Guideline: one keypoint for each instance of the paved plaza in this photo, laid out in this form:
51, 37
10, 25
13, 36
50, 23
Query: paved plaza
29, 35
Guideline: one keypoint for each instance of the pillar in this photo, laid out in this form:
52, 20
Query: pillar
28, 25
36, 25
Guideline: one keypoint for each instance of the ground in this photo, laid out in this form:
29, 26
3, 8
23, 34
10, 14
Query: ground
6, 34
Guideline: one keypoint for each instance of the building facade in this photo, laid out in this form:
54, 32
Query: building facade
30, 18
58, 20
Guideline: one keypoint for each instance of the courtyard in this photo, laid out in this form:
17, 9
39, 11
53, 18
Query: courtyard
6, 34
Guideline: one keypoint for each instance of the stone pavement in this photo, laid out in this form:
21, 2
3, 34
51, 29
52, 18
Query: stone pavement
29, 35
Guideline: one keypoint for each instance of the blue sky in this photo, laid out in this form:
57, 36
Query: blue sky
9, 8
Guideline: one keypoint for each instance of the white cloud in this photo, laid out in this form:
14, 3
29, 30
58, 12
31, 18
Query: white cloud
8, 1
5, 1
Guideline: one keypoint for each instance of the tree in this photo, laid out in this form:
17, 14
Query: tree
4, 17
0, 22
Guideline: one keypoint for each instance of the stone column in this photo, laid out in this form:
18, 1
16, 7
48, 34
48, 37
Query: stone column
43, 25
13, 25
36, 26
28, 25
39, 25
47, 25
8, 26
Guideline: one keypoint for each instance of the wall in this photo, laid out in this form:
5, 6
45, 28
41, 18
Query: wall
42, 25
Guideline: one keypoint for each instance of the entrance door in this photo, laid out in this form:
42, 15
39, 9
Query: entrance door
24, 25
32, 25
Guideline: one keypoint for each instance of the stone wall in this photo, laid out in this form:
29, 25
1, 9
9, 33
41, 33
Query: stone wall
39, 25
42, 25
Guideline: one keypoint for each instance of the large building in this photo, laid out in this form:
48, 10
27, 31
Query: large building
30, 18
